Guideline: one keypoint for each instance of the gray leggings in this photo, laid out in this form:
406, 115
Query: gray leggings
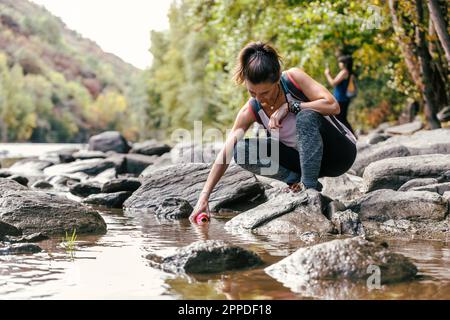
323, 151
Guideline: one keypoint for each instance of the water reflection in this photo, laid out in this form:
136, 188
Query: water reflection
113, 266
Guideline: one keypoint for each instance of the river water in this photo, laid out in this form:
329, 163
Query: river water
113, 266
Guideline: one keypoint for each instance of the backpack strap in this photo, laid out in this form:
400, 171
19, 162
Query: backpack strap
293, 90
255, 107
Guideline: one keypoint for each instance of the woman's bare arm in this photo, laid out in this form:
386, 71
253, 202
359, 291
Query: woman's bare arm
243, 121
321, 100
339, 78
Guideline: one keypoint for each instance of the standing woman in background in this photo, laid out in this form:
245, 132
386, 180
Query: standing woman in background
340, 84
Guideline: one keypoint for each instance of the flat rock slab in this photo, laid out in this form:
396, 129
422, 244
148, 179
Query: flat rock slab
395, 172
285, 213
341, 259
187, 180
210, 256
383, 205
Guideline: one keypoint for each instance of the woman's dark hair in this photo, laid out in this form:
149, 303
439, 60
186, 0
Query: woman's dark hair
347, 60
258, 62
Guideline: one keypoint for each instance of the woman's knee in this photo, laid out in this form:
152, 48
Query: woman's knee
307, 118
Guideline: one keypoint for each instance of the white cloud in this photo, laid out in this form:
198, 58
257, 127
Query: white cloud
121, 27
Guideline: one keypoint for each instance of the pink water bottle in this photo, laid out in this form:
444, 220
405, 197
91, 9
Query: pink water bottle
202, 218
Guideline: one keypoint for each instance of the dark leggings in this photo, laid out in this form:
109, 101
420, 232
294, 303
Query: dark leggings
322, 151
342, 116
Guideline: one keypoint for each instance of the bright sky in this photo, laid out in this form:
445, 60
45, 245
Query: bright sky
121, 27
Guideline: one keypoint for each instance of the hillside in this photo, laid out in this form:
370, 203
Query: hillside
68, 80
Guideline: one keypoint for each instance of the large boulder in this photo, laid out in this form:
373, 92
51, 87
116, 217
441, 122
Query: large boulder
36, 211
422, 142
285, 213
210, 256
109, 141
150, 148
187, 180
339, 260
382, 205
393, 173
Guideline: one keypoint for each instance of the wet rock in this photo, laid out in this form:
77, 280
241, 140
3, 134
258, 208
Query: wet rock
90, 167
294, 213
347, 222
417, 183
109, 141
393, 173
348, 259
19, 179
34, 237
174, 208
38, 211
84, 189
383, 205
210, 256
129, 184
345, 187
22, 248
110, 200
42, 184
7, 229
89, 154
186, 181
406, 129
150, 148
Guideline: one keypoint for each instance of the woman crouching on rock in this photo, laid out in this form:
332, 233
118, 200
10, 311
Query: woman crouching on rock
304, 139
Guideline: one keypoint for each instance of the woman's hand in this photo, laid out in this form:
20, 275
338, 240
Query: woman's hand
278, 116
327, 71
201, 206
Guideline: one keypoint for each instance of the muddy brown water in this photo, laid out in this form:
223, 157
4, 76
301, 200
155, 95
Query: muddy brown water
113, 266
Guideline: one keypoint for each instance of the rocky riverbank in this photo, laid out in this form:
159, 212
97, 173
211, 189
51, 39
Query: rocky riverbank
398, 187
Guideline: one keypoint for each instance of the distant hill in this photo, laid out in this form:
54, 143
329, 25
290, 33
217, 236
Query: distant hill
80, 80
